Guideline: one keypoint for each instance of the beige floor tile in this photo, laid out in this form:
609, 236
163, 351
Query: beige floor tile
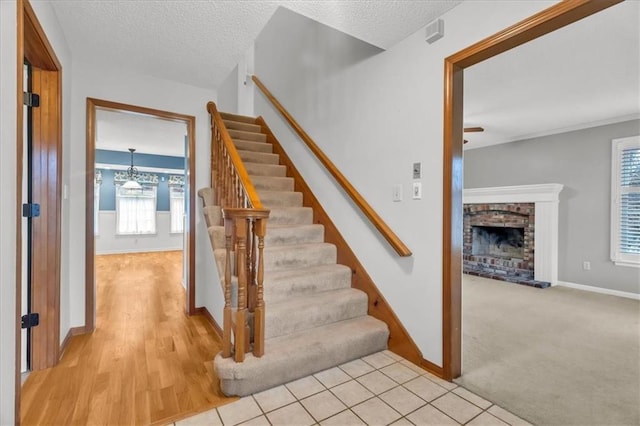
357, 368
376, 382
402, 400
508, 417
351, 393
486, 419
346, 418
210, 417
441, 382
274, 398
393, 355
378, 360
239, 411
304, 387
425, 388
375, 412
291, 415
332, 377
258, 421
472, 397
402, 422
399, 372
430, 416
457, 408
323, 405
413, 367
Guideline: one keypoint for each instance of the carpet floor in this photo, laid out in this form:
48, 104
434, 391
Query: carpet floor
555, 356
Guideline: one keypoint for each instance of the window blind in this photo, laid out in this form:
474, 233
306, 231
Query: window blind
629, 231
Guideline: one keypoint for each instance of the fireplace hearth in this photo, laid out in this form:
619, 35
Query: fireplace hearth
499, 242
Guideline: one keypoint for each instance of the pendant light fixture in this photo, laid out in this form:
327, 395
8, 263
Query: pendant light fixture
132, 175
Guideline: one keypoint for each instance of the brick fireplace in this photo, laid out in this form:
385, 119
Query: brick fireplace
499, 242
510, 233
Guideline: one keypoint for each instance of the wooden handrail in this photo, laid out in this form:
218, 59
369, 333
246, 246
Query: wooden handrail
243, 176
368, 211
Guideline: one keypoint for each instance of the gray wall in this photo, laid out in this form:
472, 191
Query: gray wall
228, 93
581, 161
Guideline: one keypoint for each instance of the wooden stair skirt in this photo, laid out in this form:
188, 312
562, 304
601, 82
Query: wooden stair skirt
314, 318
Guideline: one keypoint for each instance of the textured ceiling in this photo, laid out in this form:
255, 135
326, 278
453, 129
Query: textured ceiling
198, 42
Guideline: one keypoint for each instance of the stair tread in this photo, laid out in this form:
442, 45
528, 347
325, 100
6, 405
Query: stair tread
317, 298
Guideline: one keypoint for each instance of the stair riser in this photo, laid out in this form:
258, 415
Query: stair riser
269, 183
276, 236
245, 127
294, 235
281, 321
208, 196
248, 136
282, 258
291, 216
212, 215
259, 157
257, 169
296, 286
253, 146
280, 198
236, 117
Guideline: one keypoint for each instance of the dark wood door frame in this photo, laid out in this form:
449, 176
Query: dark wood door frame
190, 121
551, 19
34, 47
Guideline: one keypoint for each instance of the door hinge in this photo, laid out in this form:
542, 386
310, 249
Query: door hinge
30, 210
31, 99
30, 320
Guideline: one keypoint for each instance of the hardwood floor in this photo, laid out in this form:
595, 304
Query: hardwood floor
146, 362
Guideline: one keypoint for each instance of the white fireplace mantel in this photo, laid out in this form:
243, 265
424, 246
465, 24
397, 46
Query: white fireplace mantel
547, 199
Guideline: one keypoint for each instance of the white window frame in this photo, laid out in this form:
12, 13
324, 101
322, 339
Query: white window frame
96, 208
618, 146
154, 197
177, 214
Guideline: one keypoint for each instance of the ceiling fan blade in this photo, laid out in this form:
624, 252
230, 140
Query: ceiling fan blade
473, 129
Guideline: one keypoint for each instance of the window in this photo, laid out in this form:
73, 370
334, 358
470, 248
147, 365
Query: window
176, 207
625, 202
136, 210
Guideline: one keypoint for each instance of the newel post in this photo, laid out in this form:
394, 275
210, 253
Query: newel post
260, 228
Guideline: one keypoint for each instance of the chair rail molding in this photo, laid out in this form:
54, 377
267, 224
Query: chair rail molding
546, 198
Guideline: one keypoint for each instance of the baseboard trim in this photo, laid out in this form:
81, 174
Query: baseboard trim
202, 310
131, 251
436, 370
600, 290
73, 331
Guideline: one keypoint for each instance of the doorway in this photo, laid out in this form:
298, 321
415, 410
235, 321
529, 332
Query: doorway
187, 145
551, 19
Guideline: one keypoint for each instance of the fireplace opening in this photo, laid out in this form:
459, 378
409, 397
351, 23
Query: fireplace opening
497, 241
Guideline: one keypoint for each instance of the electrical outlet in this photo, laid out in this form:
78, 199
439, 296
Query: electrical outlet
586, 265
417, 190
397, 192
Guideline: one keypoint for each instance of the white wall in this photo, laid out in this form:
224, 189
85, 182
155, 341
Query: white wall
374, 116
118, 85
108, 242
228, 93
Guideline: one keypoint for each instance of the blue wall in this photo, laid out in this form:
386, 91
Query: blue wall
108, 188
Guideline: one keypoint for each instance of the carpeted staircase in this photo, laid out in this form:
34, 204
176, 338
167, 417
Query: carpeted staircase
314, 319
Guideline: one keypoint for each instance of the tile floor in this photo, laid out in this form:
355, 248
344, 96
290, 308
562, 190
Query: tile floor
379, 389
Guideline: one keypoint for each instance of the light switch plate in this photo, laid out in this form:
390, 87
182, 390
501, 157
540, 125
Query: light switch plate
417, 190
397, 192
